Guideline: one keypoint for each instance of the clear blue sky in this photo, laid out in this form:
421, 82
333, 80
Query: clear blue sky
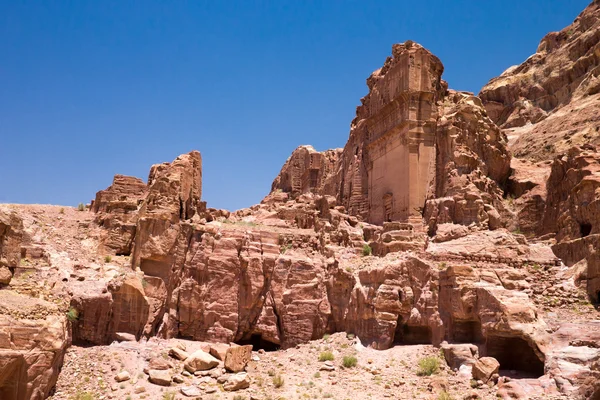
89, 89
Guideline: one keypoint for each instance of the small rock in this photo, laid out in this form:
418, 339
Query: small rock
190, 391
178, 379
125, 337
237, 382
177, 353
160, 377
122, 376
139, 389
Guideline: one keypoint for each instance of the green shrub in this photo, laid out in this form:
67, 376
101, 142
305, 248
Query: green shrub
83, 396
326, 336
278, 381
168, 396
444, 396
107, 259
367, 250
349, 361
81, 207
239, 397
72, 314
428, 366
326, 356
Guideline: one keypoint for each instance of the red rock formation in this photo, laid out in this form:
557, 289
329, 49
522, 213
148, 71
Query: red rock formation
33, 340
564, 67
414, 149
573, 211
552, 98
307, 170
472, 165
11, 236
116, 208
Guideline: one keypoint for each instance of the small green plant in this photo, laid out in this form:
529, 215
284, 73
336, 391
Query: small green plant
278, 381
271, 372
239, 397
72, 314
62, 210
317, 375
168, 396
326, 356
144, 283
474, 384
367, 250
442, 266
285, 248
107, 259
444, 396
128, 397
428, 366
349, 362
326, 336
83, 396
81, 207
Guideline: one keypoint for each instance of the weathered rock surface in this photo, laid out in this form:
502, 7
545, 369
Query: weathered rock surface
200, 361
484, 368
33, 340
11, 236
307, 170
237, 357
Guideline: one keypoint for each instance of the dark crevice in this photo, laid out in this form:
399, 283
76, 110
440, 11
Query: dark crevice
585, 229
258, 343
514, 354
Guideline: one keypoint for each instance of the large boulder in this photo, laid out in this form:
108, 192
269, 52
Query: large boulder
200, 361
485, 368
237, 357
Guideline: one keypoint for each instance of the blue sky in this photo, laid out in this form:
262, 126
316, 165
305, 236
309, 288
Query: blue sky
89, 89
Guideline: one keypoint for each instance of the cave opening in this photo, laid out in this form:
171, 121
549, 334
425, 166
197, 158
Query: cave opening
466, 332
406, 334
259, 343
516, 354
585, 229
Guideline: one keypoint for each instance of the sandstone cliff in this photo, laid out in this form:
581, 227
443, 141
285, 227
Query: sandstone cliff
552, 98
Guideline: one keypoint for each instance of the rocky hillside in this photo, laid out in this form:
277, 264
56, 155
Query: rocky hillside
430, 257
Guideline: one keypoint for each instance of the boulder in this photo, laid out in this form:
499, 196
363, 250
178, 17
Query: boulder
484, 368
237, 382
191, 391
237, 357
178, 353
200, 361
459, 354
219, 350
160, 377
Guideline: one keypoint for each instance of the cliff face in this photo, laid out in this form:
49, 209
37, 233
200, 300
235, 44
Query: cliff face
556, 90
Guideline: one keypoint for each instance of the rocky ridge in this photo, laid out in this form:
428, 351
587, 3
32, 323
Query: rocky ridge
423, 232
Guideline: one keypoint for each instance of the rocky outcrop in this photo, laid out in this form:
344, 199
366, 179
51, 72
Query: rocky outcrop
551, 100
33, 340
415, 150
116, 211
11, 236
307, 170
388, 162
564, 67
472, 166
573, 211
